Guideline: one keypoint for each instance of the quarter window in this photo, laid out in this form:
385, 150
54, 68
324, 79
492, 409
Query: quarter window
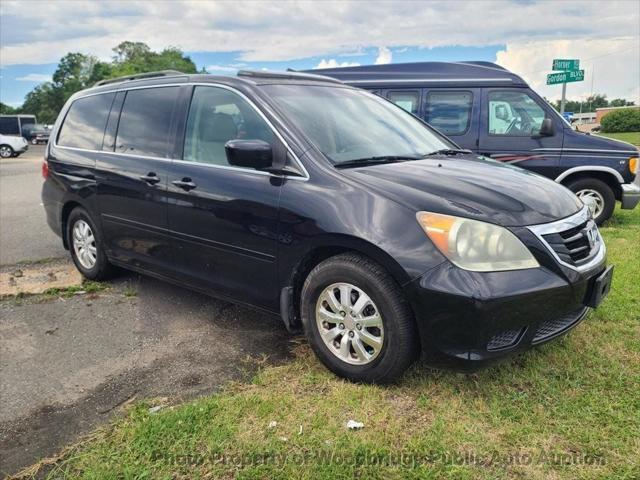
145, 122
514, 114
407, 100
84, 124
216, 116
449, 112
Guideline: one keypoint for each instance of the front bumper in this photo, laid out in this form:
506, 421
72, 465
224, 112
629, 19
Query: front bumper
468, 318
630, 195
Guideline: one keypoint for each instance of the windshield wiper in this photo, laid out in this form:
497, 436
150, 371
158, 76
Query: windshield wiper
359, 162
449, 151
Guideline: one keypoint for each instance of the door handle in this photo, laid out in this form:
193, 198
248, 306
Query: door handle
185, 184
151, 178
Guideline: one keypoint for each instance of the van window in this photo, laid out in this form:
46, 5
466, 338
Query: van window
449, 112
514, 114
145, 122
216, 116
9, 126
407, 100
84, 124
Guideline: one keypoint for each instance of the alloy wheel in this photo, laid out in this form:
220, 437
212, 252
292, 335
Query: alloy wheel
84, 244
5, 152
592, 199
349, 323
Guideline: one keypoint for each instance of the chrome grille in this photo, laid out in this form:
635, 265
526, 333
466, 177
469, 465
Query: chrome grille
574, 241
573, 245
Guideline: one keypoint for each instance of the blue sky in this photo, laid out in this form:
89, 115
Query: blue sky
523, 36
18, 80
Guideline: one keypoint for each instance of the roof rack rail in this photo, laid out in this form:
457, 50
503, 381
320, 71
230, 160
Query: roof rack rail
288, 75
139, 76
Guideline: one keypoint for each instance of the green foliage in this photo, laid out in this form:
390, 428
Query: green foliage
6, 109
620, 102
589, 105
77, 71
625, 120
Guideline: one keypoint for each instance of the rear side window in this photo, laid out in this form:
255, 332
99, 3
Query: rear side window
84, 124
407, 100
450, 111
145, 122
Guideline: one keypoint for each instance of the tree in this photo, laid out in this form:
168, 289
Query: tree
129, 51
77, 71
621, 102
7, 110
135, 57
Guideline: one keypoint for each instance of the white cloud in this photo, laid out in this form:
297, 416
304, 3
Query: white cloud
221, 68
611, 66
284, 31
333, 63
35, 77
384, 56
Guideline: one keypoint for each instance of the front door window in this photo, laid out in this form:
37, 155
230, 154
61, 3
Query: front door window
514, 114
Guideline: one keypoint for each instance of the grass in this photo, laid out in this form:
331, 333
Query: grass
629, 137
567, 410
87, 286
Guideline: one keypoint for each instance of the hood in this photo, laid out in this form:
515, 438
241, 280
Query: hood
472, 187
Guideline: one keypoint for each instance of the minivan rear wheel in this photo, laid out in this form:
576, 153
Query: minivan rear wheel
596, 195
357, 320
86, 246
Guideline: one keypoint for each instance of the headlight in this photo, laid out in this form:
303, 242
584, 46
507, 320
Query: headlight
474, 245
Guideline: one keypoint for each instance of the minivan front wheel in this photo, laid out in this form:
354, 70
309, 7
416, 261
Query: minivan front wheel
6, 151
357, 320
596, 195
85, 245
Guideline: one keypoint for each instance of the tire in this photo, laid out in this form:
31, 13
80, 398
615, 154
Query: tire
6, 151
100, 269
366, 279
592, 189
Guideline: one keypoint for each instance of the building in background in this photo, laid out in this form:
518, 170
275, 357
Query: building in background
601, 112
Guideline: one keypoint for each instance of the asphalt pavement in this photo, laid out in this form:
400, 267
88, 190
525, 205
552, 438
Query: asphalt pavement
24, 233
68, 364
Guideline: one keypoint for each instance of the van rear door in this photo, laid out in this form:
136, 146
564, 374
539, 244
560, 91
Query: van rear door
510, 121
455, 112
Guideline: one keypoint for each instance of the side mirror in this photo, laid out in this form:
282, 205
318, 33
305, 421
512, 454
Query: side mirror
546, 129
249, 153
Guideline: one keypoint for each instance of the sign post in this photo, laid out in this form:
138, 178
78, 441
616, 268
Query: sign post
567, 71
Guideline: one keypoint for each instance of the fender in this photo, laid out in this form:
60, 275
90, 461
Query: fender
596, 168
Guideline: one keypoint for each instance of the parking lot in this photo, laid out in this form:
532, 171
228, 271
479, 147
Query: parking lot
68, 361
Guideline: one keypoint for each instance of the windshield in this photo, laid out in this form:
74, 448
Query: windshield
347, 124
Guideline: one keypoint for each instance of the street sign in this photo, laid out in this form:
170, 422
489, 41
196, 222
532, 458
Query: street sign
565, 77
565, 64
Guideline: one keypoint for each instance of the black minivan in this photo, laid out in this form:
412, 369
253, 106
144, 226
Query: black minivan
325, 204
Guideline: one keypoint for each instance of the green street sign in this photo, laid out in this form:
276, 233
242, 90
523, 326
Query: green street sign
565, 77
564, 64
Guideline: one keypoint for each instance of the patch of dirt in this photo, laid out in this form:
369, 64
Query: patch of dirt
37, 278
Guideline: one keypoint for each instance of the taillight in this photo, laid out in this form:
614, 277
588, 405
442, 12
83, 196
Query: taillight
45, 170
